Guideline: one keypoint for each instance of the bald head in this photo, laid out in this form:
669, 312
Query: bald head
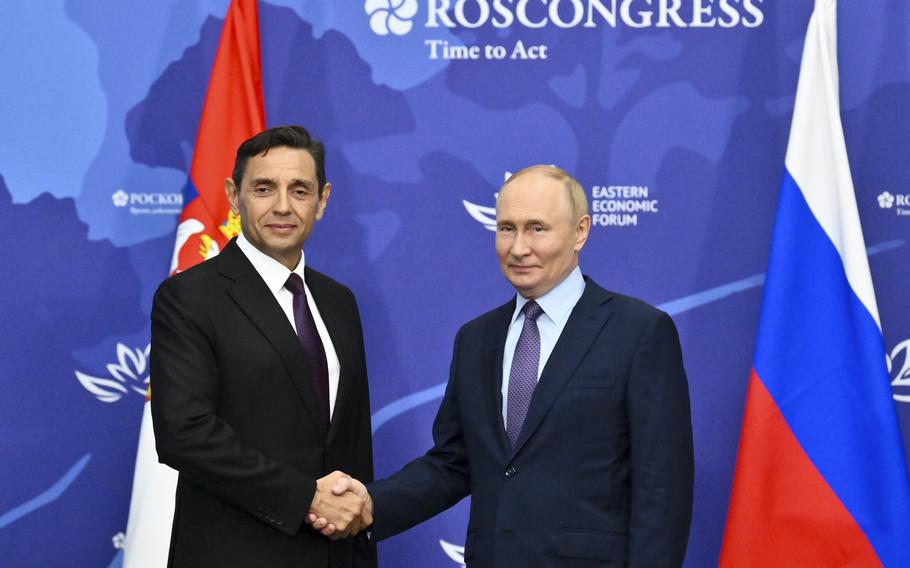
575, 197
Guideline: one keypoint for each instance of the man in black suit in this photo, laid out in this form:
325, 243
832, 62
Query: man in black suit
260, 379
566, 416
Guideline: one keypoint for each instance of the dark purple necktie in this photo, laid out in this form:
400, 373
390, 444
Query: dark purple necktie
311, 342
523, 375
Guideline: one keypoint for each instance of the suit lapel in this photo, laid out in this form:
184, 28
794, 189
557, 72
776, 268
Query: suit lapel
340, 330
493, 347
588, 317
257, 302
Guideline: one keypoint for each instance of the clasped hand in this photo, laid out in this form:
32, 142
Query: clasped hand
341, 507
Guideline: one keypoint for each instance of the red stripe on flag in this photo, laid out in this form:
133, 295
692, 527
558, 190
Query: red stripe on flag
782, 512
234, 110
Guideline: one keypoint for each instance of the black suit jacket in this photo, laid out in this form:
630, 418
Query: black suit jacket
235, 413
603, 469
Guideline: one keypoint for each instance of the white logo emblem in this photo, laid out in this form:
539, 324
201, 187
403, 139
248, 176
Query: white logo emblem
885, 200
900, 377
391, 16
120, 198
486, 216
130, 372
454, 552
119, 541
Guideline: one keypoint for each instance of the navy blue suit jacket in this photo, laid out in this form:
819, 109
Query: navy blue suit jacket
602, 473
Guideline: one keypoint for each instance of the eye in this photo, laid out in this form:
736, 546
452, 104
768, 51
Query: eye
302, 191
537, 229
504, 229
262, 190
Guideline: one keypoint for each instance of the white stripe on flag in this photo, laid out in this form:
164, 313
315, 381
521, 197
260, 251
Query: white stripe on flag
817, 153
148, 530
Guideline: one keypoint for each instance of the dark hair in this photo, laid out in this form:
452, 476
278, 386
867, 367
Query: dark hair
280, 136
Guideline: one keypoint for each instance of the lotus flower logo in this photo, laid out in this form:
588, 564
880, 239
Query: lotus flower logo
885, 200
454, 552
120, 198
130, 372
391, 16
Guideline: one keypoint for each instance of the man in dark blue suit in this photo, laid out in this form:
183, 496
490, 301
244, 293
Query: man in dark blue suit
566, 416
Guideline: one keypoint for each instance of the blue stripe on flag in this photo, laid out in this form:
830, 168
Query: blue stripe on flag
189, 191
821, 356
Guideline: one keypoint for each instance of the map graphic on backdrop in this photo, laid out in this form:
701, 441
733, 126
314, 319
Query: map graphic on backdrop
677, 133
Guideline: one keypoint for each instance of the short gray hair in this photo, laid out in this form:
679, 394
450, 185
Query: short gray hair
575, 193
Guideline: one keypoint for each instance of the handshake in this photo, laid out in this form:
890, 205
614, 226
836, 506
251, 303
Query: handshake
341, 507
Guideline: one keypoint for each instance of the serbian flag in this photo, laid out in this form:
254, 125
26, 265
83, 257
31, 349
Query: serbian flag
233, 111
820, 477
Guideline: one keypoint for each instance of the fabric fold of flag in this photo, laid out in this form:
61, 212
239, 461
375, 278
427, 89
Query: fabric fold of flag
821, 478
234, 110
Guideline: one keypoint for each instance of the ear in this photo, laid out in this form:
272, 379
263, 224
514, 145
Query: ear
232, 195
323, 200
582, 229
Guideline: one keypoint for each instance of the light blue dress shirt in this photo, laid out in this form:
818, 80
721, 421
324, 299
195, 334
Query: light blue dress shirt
557, 304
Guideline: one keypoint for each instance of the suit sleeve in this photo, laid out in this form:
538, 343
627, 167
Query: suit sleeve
190, 436
364, 438
661, 449
432, 483
364, 548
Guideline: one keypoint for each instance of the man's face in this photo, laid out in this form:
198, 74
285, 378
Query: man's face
537, 240
278, 202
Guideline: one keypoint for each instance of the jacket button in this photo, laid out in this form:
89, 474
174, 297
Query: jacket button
510, 472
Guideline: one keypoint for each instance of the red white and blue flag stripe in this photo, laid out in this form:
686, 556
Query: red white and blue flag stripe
233, 111
821, 478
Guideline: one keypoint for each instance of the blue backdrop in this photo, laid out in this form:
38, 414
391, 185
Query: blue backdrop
675, 122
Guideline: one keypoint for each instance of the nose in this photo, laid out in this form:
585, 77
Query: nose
520, 246
282, 202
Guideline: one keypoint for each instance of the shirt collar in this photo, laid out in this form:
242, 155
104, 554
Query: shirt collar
272, 272
557, 304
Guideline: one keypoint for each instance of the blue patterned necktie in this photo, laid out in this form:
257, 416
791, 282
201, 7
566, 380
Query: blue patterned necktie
312, 344
523, 375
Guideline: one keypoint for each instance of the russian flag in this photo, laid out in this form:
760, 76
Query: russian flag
820, 477
233, 111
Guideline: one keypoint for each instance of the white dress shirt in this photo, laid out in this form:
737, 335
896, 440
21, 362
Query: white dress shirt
557, 304
275, 274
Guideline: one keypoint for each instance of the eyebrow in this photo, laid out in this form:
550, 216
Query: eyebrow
263, 181
523, 223
271, 182
529, 222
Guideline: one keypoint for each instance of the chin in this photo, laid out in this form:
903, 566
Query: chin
524, 289
524, 281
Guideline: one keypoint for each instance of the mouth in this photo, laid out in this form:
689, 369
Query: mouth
521, 269
281, 227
